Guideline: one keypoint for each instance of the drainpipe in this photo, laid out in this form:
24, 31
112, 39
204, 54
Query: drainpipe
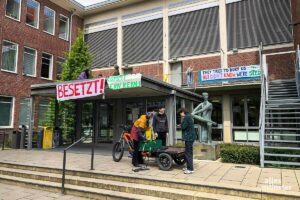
71, 28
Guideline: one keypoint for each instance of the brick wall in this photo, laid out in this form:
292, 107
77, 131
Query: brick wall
18, 85
152, 70
198, 64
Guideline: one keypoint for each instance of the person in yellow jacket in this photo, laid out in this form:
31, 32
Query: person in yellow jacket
138, 134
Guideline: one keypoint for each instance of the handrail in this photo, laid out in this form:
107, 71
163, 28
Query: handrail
297, 70
3, 142
65, 160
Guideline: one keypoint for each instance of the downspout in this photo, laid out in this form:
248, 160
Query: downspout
71, 28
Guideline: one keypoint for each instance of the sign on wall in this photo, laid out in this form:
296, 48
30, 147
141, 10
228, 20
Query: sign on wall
80, 89
251, 72
124, 81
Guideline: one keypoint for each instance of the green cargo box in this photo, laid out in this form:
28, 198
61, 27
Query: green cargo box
151, 145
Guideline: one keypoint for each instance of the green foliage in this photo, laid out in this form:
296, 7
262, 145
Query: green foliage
77, 60
240, 154
48, 119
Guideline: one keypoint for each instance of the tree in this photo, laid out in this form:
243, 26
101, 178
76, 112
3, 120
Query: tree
78, 59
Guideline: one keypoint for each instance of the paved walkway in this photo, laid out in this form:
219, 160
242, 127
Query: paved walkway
9, 192
205, 171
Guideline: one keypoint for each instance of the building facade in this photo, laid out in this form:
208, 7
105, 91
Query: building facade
34, 36
162, 39
188, 43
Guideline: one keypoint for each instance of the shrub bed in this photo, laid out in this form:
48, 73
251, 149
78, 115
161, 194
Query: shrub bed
240, 154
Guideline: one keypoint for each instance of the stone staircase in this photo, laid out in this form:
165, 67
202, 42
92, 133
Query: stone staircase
97, 185
282, 124
108, 185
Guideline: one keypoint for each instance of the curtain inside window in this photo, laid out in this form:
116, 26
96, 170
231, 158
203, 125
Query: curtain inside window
49, 20
12, 8
24, 112
29, 61
63, 27
9, 52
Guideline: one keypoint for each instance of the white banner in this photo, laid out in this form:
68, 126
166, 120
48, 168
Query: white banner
80, 89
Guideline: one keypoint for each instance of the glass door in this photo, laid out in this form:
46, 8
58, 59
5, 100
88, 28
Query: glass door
105, 123
245, 118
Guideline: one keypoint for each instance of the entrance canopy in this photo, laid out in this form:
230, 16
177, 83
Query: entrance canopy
149, 87
118, 100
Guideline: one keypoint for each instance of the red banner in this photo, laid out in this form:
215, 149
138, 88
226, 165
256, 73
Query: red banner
80, 89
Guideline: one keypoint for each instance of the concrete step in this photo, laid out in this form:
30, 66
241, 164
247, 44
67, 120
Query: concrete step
80, 191
94, 186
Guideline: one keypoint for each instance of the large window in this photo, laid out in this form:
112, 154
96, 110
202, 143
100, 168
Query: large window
29, 61
217, 116
63, 27
13, 9
245, 118
24, 112
46, 71
9, 56
6, 108
49, 24
32, 13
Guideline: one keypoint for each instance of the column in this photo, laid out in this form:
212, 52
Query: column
227, 135
31, 122
171, 114
223, 33
166, 65
119, 45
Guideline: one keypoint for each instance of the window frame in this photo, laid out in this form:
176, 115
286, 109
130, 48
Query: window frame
17, 55
27, 99
35, 62
12, 112
45, 7
38, 14
68, 30
19, 19
57, 62
246, 127
50, 67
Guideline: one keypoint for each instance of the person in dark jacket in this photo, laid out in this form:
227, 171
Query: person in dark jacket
160, 125
189, 136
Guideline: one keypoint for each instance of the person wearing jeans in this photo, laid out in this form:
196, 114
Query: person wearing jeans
189, 136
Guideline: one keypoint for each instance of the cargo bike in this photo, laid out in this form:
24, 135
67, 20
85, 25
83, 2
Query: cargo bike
165, 156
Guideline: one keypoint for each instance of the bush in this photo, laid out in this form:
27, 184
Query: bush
240, 154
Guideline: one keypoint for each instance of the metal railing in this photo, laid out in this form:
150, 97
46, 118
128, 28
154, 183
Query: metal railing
297, 70
65, 160
3, 139
264, 96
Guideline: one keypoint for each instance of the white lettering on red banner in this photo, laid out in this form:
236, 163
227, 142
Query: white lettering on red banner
80, 89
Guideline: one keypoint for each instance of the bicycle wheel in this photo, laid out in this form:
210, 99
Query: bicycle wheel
118, 151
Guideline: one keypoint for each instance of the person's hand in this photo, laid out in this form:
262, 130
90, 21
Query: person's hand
167, 134
155, 135
178, 126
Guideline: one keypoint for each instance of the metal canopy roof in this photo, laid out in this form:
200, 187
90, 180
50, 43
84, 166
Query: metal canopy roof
150, 88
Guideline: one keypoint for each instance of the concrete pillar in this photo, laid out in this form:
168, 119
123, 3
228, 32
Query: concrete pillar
31, 122
166, 65
223, 33
227, 135
119, 45
171, 114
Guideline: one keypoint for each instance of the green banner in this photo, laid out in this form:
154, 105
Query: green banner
124, 81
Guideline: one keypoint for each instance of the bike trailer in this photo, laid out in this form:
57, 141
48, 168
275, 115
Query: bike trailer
151, 145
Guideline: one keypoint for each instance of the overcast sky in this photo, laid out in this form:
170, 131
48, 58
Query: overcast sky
89, 2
